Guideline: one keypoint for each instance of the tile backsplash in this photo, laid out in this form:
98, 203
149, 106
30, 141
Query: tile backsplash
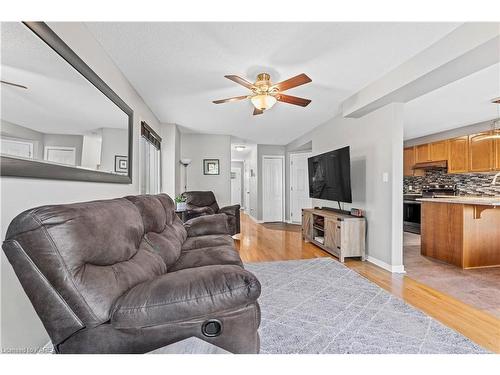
467, 184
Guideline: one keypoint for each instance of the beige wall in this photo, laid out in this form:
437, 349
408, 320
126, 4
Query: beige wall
376, 142
205, 146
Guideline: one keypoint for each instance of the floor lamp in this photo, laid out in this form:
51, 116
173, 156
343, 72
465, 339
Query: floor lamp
185, 163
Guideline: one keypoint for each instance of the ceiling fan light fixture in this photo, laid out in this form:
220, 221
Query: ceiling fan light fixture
263, 101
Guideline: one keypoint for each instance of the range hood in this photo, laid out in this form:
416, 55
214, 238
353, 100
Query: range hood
428, 165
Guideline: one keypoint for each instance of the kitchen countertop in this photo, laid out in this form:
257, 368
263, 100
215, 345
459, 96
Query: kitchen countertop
482, 201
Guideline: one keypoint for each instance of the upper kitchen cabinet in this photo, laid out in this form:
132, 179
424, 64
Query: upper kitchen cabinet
458, 155
408, 161
439, 150
422, 153
481, 152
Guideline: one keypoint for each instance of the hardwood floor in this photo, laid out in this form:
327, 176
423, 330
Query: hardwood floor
271, 242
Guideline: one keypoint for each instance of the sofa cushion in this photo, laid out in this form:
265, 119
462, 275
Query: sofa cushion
206, 257
163, 230
184, 295
207, 241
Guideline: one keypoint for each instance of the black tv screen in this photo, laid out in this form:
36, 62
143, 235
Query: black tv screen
330, 176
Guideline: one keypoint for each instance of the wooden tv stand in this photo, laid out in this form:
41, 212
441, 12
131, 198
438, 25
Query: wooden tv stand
343, 235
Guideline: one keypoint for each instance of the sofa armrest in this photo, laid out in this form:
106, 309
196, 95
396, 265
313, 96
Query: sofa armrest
230, 210
198, 211
208, 224
186, 294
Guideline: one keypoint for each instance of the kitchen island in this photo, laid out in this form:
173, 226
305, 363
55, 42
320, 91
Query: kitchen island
464, 231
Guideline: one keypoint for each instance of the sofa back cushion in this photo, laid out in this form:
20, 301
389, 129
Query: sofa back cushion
90, 253
201, 199
163, 230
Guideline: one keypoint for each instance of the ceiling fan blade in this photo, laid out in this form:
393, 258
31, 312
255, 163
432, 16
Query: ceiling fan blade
228, 100
257, 111
293, 100
241, 81
14, 84
301, 79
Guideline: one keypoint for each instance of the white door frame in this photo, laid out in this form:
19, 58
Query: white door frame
290, 180
282, 157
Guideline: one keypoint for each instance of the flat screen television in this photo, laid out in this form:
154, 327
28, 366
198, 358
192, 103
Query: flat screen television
330, 176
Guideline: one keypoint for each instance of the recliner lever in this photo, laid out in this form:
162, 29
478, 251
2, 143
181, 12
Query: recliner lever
211, 328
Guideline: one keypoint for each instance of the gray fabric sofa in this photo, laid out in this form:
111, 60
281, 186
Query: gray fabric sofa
200, 203
127, 276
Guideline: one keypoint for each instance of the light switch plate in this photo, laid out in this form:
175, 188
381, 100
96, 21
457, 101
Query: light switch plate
385, 177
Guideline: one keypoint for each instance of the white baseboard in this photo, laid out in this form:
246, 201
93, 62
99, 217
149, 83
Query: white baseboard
386, 266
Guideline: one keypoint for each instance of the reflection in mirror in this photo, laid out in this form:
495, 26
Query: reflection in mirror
51, 113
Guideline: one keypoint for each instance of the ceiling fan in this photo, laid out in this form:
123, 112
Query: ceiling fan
265, 94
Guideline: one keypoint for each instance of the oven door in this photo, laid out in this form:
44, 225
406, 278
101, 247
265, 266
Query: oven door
411, 216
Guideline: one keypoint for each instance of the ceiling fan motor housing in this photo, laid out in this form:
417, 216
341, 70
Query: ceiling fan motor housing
263, 83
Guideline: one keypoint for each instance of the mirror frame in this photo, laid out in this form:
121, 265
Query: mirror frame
11, 166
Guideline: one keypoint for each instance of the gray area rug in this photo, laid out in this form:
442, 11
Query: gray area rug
321, 306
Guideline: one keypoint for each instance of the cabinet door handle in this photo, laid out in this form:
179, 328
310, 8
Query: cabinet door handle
338, 247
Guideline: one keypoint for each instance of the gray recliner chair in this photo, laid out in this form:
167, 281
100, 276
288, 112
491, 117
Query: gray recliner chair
200, 203
127, 276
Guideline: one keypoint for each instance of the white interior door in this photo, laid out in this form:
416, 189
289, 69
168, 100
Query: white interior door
299, 186
61, 155
236, 185
272, 188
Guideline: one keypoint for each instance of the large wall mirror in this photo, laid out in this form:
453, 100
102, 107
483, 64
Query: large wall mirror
59, 120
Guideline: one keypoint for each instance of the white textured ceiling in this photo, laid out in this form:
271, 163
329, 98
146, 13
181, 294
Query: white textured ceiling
58, 99
179, 68
463, 102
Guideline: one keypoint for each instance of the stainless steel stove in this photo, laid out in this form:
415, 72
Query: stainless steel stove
438, 190
412, 207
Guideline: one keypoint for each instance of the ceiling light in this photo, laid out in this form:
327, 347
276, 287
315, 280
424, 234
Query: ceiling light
240, 148
263, 101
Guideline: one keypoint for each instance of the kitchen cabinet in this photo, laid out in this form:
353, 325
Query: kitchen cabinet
439, 150
458, 155
464, 234
422, 153
481, 157
469, 153
408, 161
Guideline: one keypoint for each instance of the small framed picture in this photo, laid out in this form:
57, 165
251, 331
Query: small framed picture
211, 166
121, 164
